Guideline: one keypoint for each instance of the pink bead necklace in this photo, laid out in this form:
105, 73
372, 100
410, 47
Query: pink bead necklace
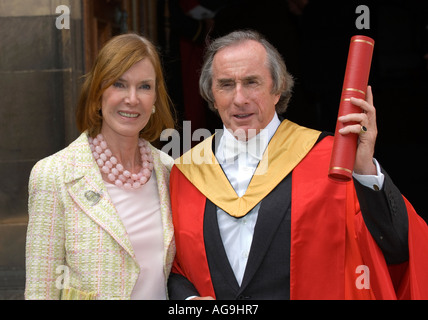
115, 171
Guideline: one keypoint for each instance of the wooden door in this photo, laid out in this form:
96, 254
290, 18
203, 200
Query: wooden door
103, 19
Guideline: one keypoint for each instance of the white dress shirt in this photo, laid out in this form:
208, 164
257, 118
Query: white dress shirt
237, 233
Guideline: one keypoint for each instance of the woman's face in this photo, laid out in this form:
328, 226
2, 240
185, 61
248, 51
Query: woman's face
127, 104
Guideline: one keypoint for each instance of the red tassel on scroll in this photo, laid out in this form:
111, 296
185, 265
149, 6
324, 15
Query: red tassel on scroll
354, 85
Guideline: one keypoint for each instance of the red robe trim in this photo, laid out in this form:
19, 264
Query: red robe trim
188, 218
333, 255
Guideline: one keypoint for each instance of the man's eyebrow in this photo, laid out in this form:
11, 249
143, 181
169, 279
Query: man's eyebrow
228, 80
224, 80
251, 77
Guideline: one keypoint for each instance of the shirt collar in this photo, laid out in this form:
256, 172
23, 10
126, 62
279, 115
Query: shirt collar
229, 147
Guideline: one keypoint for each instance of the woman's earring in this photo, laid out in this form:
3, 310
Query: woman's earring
153, 109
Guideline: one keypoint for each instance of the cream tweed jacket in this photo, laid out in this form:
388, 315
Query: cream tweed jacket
77, 246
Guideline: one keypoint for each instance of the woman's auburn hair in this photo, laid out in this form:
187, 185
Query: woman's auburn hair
115, 58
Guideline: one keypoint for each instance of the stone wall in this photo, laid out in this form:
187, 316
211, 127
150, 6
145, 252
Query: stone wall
40, 71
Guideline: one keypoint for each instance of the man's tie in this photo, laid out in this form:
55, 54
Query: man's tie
233, 147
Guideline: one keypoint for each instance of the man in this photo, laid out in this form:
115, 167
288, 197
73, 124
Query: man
255, 214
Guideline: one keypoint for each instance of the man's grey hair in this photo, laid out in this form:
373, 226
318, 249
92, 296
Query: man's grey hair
282, 80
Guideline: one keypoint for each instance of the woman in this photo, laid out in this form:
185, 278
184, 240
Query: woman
99, 210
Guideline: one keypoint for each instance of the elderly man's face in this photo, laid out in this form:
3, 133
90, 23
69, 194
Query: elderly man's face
242, 88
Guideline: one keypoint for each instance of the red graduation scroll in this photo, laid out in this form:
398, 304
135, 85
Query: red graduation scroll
354, 85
